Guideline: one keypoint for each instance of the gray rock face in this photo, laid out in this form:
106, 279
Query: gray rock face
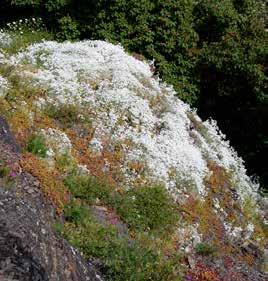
16, 261
6, 136
30, 249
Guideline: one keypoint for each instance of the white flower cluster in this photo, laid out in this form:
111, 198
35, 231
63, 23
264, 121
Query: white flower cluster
135, 110
3, 86
56, 141
188, 237
5, 39
239, 232
20, 26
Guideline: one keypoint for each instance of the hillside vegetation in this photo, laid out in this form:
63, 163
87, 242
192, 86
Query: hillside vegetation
214, 53
140, 185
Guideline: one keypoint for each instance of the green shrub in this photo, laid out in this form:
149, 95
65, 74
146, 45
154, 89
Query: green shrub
147, 209
122, 259
87, 188
68, 29
36, 145
75, 213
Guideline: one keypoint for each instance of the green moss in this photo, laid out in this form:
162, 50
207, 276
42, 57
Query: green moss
146, 210
58, 227
4, 171
75, 213
143, 209
65, 162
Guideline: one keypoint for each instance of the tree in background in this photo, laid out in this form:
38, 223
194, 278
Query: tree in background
213, 52
233, 75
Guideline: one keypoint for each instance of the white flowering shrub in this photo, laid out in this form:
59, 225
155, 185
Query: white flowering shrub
134, 109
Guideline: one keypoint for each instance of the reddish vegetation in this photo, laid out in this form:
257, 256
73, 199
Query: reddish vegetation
50, 180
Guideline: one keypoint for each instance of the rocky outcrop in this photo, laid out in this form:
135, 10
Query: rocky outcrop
30, 249
96, 112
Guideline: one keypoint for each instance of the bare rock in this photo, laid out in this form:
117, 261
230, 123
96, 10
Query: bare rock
6, 136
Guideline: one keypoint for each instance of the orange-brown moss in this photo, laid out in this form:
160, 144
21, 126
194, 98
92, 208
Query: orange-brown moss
96, 162
50, 180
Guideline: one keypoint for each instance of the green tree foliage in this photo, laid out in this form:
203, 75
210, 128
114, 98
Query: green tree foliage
232, 67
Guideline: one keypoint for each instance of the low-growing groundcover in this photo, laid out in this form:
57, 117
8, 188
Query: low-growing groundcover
175, 199
124, 258
146, 210
143, 209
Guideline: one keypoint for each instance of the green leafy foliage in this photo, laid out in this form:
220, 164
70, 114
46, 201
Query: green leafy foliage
75, 213
36, 145
68, 29
232, 67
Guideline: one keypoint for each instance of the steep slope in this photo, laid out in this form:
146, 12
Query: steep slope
30, 250
104, 111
